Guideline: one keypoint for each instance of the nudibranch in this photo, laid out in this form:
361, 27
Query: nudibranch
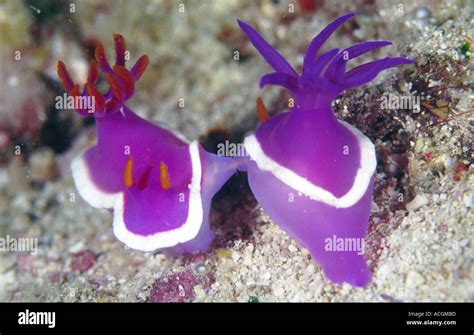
312, 173
159, 185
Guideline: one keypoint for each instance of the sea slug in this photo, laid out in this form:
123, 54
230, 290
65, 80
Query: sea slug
159, 185
312, 173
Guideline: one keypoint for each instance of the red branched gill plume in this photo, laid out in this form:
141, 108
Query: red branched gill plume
121, 80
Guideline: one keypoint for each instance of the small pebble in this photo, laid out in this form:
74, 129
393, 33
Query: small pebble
83, 261
414, 279
422, 13
201, 268
419, 201
43, 165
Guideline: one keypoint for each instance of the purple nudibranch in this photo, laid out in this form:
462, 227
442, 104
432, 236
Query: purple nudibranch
312, 173
159, 185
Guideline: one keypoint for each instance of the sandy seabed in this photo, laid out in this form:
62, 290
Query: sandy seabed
420, 241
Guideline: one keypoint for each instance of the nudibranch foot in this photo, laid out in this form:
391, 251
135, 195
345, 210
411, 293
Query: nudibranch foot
326, 232
216, 171
159, 185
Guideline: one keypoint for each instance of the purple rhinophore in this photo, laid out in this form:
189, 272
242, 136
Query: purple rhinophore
312, 173
159, 185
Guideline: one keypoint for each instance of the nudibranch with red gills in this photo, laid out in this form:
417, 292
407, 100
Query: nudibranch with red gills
312, 173
159, 185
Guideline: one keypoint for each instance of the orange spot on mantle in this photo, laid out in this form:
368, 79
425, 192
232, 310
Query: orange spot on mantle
128, 173
165, 180
261, 111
